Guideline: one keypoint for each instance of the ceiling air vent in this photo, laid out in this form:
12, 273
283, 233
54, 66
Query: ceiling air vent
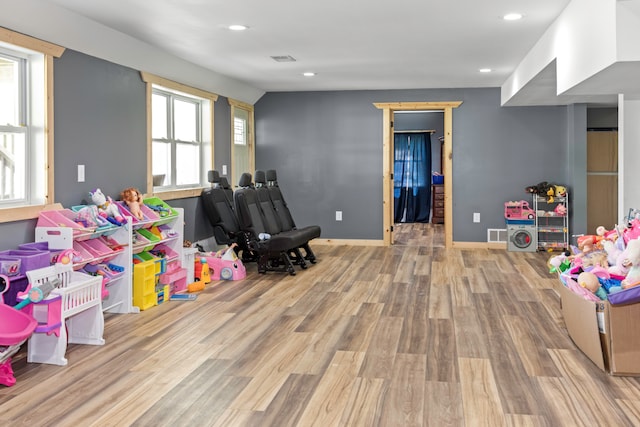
283, 58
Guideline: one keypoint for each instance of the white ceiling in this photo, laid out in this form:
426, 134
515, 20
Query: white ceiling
350, 44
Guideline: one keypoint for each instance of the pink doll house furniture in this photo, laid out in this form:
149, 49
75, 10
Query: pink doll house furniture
71, 313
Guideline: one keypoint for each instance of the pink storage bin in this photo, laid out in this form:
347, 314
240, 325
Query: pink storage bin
100, 251
84, 254
149, 215
164, 251
64, 218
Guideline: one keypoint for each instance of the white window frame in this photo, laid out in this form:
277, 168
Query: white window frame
207, 140
247, 139
38, 118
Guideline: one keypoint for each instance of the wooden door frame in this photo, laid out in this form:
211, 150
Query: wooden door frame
388, 109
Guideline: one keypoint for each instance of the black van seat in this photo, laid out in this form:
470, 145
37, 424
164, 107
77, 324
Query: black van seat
221, 214
259, 220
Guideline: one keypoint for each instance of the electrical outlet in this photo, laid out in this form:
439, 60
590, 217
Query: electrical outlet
476, 217
224, 170
338, 215
80, 173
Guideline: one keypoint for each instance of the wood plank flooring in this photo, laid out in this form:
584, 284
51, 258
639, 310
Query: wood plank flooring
411, 335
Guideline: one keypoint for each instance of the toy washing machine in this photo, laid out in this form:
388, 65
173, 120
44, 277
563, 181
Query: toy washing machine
522, 237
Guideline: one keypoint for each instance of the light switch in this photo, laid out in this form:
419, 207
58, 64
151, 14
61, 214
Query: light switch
224, 170
338, 215
80, 173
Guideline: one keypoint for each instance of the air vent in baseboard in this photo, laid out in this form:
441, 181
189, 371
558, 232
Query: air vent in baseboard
496, 235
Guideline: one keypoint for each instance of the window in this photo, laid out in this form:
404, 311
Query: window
26, 127
181, 124
177, 140
242, 147
14, 149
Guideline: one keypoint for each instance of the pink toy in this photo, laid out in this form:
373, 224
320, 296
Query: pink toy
560, 210
225, 265
15, 328
632, 231
632, 258
518, 210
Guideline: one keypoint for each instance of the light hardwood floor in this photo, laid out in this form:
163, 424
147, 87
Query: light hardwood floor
411, 335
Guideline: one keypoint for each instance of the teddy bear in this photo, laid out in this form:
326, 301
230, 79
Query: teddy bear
132, 197
106, 207
632, 259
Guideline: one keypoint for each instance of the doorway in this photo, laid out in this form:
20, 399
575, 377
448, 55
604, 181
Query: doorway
602, 178
417, 157
388, 111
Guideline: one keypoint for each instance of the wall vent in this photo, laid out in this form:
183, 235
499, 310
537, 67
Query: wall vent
283, 58
496, 235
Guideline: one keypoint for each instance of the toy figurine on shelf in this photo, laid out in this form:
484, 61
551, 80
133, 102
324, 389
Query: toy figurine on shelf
132, 197
106, 207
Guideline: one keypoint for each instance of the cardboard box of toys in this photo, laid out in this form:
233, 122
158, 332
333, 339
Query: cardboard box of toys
607, 334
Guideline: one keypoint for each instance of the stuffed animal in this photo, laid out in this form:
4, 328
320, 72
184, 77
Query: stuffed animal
559, 263
132, 197
612, 251
541, 188
632, 258
560, 190
106, 207
560, 210
590, 282
622, 265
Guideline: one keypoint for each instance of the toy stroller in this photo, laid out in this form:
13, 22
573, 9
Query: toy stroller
15, 328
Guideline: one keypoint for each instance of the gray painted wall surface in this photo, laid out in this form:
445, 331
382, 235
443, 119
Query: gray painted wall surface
327, 148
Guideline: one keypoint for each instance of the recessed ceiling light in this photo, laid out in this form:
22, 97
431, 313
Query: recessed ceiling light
512, 16
485, 70
309, 74
237, 27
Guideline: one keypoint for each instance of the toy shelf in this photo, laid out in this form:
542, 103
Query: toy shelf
114, 249
162, 235
552, 227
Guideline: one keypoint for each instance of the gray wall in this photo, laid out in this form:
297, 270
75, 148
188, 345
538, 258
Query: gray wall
327, 148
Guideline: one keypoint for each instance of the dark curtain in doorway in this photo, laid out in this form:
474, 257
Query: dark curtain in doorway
412, 177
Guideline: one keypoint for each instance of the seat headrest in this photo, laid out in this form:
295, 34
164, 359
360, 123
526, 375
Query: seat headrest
224, 183
271, 175
245, 180
259, 179
213, 176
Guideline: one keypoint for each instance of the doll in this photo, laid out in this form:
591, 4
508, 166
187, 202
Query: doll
590, 282
132, 197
